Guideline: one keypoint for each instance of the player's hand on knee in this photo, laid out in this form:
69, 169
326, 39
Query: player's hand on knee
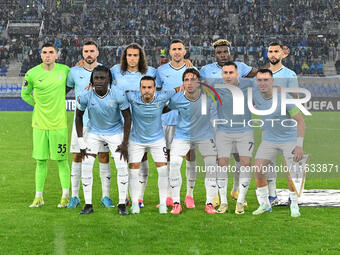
298, 153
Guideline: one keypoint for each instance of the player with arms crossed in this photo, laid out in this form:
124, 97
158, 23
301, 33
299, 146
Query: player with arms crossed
193, 130
104, 105
233, 130
77, 79
47, 81
147, 135
168, 77
276, 138
126, 76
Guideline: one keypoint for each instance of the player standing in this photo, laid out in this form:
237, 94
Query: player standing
193, 130
47, 81
77, 79
285, 78
147, 135
168, 77
233, 130
276, 138
212, 73
104, 105
127, 76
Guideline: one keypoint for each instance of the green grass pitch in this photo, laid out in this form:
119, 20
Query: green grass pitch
49, 230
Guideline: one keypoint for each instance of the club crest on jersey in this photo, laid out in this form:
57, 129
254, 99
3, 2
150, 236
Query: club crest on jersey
59, 77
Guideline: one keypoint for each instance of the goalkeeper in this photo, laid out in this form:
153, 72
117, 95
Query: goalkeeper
47, 81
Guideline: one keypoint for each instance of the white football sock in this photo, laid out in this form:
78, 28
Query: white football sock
122, 180
210, 178
262, 195
271, 179
245, 178
38, 194
143, 177
293, 198
222, 184
87, 178
135, 187
236, 176
66, 193
75, 178
175, 177
191, 177
163, 182
105, 176
169, 188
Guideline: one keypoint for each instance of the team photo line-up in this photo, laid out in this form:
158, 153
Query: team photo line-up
132, 109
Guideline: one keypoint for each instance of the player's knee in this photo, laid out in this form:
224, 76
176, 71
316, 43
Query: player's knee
77, 157
245, 161
223, 161
160, 164
103, 157
134, 165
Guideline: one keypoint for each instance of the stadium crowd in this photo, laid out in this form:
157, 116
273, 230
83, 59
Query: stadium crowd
249, 25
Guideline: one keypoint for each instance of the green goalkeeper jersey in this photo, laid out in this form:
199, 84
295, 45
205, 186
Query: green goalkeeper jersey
48, 96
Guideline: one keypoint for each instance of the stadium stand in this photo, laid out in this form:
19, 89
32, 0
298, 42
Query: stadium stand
310, 28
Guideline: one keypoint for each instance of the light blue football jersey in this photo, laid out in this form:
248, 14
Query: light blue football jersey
192, 124
146, 117
78, 78
285, 78
233, 123
274, 131
168, 77
104, 112
129, 80
214, 71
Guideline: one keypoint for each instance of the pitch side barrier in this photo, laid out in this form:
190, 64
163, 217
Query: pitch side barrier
325, 94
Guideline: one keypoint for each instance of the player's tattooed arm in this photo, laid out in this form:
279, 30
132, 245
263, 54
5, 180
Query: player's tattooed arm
123, 147
79, 129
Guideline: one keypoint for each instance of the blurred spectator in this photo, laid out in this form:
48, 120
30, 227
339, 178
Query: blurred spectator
305, 68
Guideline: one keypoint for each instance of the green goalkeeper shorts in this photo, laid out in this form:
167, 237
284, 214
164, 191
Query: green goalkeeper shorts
50, 143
